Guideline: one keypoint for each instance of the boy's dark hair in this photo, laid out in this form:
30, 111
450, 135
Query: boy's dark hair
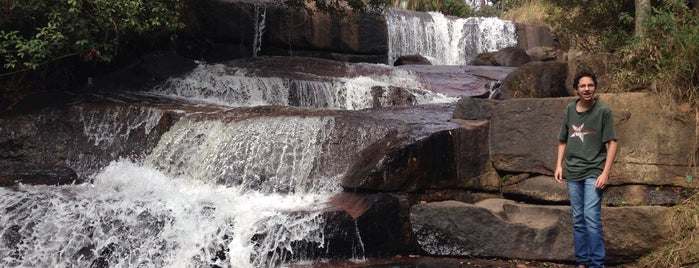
581, 74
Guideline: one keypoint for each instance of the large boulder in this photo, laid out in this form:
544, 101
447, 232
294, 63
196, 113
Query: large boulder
412, 60
536, 80
650, 168
409, 159
508, 57
511, 57
544, 53
505, 229
529, 36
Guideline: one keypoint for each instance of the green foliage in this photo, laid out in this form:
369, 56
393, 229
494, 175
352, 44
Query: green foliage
342, 8
665, 59
592, 24
457, 8
36, 32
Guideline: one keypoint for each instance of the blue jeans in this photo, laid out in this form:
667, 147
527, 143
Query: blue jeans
586, 203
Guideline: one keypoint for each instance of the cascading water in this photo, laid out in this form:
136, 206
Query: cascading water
212, 193
216, 190
237, 87
260, 17
444, 40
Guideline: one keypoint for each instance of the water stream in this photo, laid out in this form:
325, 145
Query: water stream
219, 192
445, 40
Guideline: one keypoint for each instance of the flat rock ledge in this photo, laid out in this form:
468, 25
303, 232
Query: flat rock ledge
501, 228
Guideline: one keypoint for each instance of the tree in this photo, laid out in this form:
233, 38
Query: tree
642, 8
37, 33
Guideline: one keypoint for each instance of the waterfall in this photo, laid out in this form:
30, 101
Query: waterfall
106, 128
445, 40
212, 193
223, 85
261, 154
135, 216
110, 129
260, 16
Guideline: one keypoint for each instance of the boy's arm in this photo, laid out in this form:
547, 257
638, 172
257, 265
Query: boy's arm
558, 174
603, 178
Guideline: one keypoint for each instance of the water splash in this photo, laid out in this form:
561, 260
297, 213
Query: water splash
443, 40
136, 216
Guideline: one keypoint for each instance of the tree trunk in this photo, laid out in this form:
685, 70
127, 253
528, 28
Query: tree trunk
642, 9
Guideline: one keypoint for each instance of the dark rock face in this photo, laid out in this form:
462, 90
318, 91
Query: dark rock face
484, 59
412, 60
12, 173
458, 81
56, 143
474, 109
426, 150
267, 28
511, 57
379, 219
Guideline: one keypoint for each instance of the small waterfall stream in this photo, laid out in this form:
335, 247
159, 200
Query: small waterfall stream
445, 40
237, 87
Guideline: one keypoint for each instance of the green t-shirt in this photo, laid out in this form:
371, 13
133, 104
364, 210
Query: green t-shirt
585, 135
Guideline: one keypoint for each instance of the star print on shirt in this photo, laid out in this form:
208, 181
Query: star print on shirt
579, 132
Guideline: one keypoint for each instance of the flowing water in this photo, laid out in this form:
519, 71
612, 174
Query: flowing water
215, 192
445, 40
223, 85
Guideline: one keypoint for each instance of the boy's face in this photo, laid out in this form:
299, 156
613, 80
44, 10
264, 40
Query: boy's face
586, 88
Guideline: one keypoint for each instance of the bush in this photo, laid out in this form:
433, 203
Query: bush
584, 26
665, 59
457, 8
40, 32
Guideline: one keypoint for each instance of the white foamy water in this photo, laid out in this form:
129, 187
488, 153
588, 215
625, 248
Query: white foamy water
445, 40
212, 193
233, 87
264, 154
135, 216
114, 125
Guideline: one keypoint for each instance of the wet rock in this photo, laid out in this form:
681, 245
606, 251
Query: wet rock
368, 223
80, 138
458, 81
412, 60
409, 159
14, 173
